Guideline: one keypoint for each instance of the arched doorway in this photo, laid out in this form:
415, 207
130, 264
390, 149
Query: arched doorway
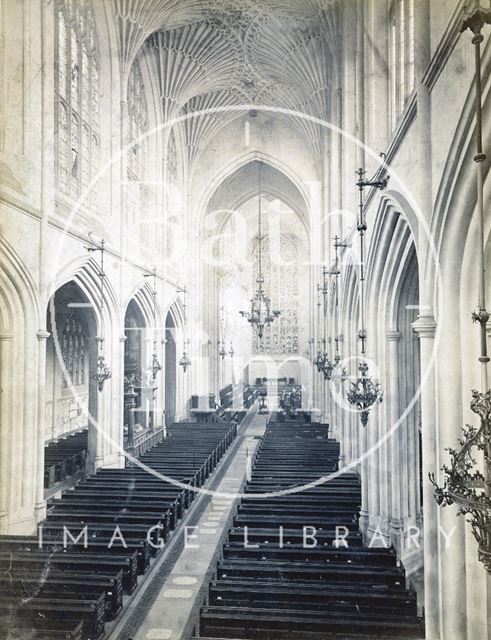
138, 414
170, 370
71, 391
406, 453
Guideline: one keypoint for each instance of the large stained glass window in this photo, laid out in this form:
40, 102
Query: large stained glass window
77, 100
401, 56
73, 346
137, 151
280, 269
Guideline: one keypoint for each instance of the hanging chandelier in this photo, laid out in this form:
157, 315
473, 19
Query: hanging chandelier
185, 361
231, 353
364, 393
338, 374
102, 371
319, 358
331, 368
328, 368
155, 365
464, 484
260, 315
221, 343
323, 363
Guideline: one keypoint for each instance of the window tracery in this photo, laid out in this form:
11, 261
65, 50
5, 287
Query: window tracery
77, 99
401, 56
137, 151
281, 279
73, 349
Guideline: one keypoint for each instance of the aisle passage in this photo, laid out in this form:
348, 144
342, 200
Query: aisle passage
172, 612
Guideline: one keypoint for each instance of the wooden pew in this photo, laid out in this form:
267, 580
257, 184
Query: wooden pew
79, 562
133, 480
39, 628
84, 586
256, 535
361, 557
107, 505
56, 584
132, 493
105, 531
94, 545
278, 624
345, 598
301, 571
292, 587
321, 523
65, 457
91, 612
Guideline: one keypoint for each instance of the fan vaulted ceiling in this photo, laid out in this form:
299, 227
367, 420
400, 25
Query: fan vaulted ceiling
216, 54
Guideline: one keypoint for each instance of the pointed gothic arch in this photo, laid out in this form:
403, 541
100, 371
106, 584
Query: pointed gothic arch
21, 399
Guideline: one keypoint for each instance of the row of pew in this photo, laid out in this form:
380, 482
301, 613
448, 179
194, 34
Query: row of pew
64, 458
294, 566
100, 537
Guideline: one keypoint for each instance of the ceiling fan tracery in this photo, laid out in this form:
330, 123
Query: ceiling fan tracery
211, 54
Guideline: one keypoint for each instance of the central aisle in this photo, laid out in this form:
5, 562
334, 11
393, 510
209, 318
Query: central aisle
178, 601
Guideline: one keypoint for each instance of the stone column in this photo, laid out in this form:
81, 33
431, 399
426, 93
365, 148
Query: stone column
416, 430
40, 503
338, 417
411, 461
396, 440
375, 427
94, 458
449, 404
6, 358
362, 449
130, 405
425, 327
121, 459
111, 426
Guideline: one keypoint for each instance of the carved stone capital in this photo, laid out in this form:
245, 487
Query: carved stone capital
394, 335
425, 326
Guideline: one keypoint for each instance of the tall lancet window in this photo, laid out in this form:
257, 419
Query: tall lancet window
77, 100
137, 152
401, 56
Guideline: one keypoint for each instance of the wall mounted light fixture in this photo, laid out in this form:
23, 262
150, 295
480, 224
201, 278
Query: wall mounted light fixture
102, 372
